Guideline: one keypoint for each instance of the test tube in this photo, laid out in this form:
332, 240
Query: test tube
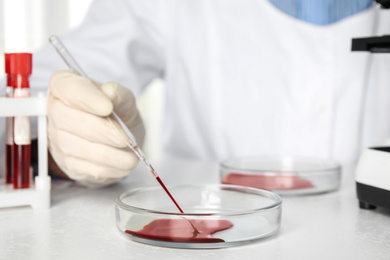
20, 71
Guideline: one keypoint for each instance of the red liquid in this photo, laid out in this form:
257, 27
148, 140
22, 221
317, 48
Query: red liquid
181, 231
169, 194
8, 163
282, 182
194, 229
21, 166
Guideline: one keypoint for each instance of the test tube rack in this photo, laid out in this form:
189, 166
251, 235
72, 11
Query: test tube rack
38, 196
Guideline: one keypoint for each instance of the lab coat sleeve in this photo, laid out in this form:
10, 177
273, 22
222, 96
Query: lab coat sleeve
118, 41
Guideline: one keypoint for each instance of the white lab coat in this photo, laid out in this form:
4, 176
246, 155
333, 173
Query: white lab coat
242, 78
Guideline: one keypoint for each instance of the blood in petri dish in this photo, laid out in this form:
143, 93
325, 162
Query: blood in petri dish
21, 169
270, 182
174, 201
181, 230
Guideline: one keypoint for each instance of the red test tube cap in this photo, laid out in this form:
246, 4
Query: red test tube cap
20, 63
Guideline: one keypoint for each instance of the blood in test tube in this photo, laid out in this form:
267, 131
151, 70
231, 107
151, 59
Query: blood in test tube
9, 142
20, 71
180, 230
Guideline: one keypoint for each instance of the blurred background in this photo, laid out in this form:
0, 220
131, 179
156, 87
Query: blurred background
25, 25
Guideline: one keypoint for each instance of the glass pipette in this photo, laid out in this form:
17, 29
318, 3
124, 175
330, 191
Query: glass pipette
73, 65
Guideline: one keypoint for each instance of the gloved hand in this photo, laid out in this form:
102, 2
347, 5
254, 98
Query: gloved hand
86, 141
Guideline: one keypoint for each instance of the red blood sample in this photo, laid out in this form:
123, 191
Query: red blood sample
182, 231
22, 166
174, 201
267, 182
8, 163
20, 70
169, 194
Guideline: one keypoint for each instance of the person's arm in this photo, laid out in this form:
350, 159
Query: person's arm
111, 44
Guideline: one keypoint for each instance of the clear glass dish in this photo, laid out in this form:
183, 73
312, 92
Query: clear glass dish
285, 175
215, 216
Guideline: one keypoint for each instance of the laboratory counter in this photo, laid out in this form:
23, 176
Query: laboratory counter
81, 224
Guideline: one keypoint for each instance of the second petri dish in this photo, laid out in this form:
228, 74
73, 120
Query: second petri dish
285, 175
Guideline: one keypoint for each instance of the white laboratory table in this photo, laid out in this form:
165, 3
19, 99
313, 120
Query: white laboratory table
81, 224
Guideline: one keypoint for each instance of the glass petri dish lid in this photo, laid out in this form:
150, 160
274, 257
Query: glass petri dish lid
215, 216
285, 175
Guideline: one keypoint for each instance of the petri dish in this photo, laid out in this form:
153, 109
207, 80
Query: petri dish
215, 216
285, 175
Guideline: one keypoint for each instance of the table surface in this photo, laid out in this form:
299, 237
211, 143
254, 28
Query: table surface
81, 224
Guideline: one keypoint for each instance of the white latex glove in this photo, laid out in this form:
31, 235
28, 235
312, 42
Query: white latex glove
85, 140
